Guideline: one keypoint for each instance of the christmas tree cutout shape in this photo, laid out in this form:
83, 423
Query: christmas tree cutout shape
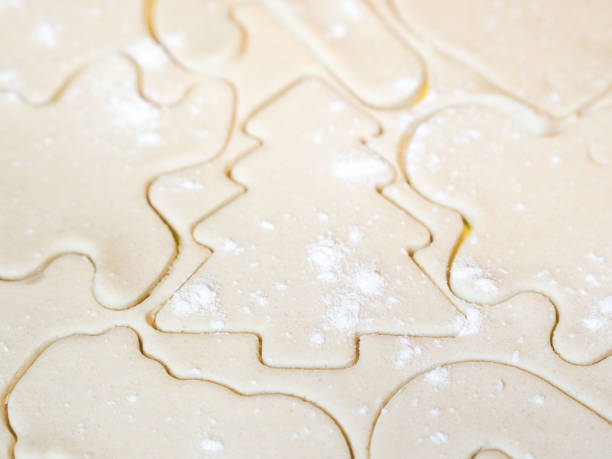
311, 255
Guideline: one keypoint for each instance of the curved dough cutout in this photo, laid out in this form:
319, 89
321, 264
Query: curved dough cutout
45, 43
104, 140
555, 55
305, 271
455, 410
351, 40
103, 395
535, 208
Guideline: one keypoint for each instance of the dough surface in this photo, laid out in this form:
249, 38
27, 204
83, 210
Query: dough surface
542, 196
303, 228
555, 55
60, 203
303, 271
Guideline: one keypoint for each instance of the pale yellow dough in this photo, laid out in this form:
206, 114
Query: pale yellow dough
353, 396
304, 271
106, 398
349, 38
554, 55
543, 197
274, 228
447, 412
45, 43
60, 202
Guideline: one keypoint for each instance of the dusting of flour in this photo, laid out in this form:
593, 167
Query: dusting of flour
465, 270
600, 315
198, 297
360, 165
347, 283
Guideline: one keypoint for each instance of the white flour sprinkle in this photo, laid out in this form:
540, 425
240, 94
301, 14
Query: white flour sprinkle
211, 446
355, 234
230, 246
8, 77
10, 4
175, 41
148, 139
592, 280
353, 283
148, 53
406, 353
343, 311
322, 216
198, 296
189, 184
337, 106
281, 286
438, 438
361, 165
519, 207
405, 85
326, 256
45, 35
351, 9
369, 282
260, 298
129, 110
470, 325
265, 224
605, 305
437, 376
537, 399
338, 30
465, 270
594, 257
599, 315
316, 338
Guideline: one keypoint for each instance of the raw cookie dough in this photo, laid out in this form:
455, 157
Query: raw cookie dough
304, 271
554, 55
255, 72
44, 43
538, 211
310, 195
106, 398
79, 171
354, 395
350, 39
456, 410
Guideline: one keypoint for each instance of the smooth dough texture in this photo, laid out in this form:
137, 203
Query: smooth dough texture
59, 202
447, 412
354, 395
37, 311
535, 206
555, 55
304, 271
310, 228
106, 398
349, 38
45, 43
